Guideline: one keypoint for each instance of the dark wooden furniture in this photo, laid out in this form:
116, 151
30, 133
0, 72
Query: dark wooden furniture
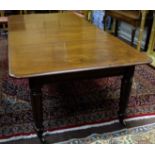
136, 18
131, 17
50, 47
3, 20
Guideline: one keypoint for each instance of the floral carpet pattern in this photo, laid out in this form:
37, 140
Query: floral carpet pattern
71, 103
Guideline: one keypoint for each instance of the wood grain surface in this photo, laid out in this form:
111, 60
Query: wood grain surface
47, 44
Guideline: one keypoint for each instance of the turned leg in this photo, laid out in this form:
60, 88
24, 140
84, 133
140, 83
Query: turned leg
125, 93
37, 108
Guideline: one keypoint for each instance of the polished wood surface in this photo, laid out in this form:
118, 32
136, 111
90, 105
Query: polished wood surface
47, 44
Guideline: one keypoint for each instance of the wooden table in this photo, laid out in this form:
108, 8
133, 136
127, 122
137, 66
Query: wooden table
50, 47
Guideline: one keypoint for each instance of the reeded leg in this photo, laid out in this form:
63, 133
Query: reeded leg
37, 109
125, 93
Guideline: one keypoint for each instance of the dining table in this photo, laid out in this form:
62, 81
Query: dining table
53, 47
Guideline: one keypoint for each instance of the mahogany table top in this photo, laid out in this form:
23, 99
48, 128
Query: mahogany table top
47, 44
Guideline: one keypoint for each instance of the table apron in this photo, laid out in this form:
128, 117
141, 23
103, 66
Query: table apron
89, 74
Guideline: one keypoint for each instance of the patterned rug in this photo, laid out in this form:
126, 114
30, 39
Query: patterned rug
70, 104
138, 135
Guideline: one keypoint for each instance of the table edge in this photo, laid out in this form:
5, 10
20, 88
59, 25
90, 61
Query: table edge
74, 70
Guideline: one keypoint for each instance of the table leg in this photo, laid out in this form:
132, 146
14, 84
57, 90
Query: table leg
37, 108
125, 93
